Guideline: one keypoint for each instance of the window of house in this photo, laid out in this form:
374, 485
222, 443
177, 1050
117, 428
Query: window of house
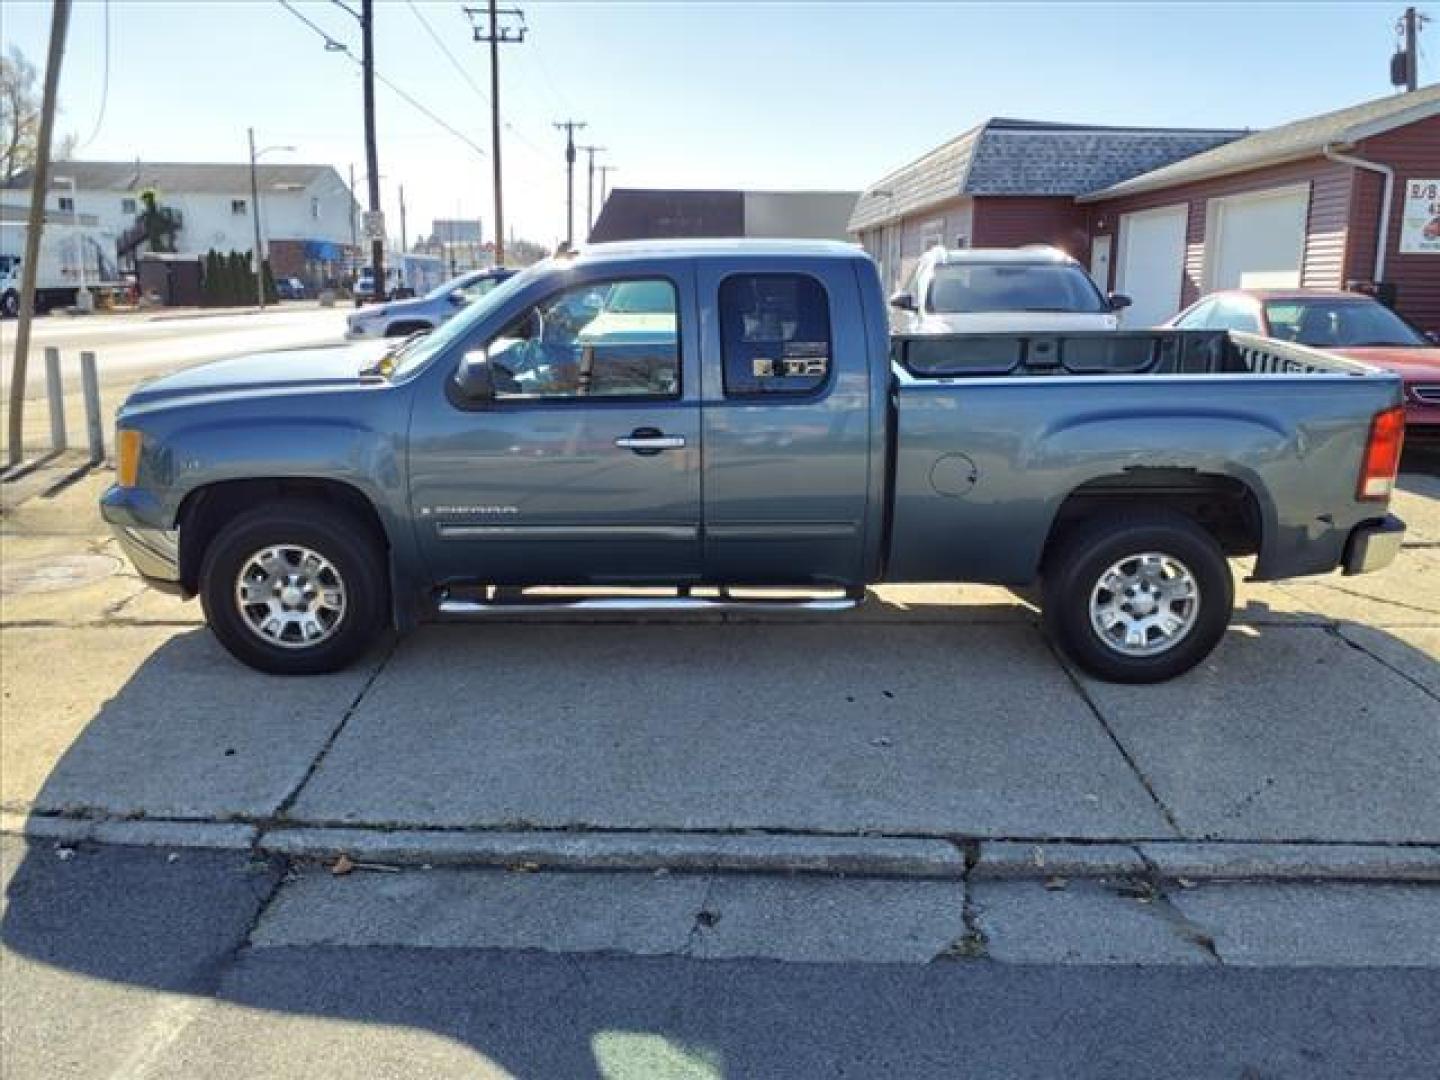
67, 203
774, 334
315, 209
603, 339
239, 206
128, 206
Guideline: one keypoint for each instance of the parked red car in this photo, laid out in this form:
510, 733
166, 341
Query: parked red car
1347, 323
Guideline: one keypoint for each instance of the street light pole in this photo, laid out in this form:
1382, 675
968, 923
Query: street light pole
255, 214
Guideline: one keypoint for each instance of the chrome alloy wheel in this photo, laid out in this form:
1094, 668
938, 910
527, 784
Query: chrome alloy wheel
290, 596
1145, 604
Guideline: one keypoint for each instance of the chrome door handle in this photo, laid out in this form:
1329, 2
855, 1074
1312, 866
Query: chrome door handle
651, 442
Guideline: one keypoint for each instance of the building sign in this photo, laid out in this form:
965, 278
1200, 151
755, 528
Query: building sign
1420, 223
374, 224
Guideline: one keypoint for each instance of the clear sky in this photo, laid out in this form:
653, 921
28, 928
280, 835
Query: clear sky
763, 95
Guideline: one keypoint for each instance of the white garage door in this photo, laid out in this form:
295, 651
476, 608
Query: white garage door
1152, 257
1257, 241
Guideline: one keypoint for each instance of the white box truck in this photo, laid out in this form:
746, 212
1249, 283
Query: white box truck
58, 274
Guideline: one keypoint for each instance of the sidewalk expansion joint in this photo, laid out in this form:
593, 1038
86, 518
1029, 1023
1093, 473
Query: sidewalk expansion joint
1360, 648
1125, 754
286, 803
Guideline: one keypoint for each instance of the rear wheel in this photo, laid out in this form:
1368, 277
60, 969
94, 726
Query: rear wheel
405, 329
296, 588
10, 304
1138, 597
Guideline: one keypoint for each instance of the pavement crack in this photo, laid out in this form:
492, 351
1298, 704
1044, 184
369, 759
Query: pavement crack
704, 918
282, 813
1115, 739
1360, 648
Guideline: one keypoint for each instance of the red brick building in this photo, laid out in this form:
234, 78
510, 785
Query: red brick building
1301, 204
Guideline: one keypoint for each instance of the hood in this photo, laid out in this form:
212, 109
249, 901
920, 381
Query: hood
330, 366
1409, 362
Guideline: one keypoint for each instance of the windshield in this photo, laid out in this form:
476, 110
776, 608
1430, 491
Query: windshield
464, 280
976, 287
418, 352
1339, 323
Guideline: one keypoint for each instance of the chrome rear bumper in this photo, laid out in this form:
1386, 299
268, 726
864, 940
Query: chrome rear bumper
1373, 545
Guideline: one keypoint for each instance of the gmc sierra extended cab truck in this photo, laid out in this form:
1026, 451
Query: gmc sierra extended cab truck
729, 419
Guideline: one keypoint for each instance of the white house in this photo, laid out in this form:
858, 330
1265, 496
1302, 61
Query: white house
307, 213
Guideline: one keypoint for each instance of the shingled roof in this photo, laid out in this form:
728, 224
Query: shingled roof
1289, 142
201, 178
1029, 157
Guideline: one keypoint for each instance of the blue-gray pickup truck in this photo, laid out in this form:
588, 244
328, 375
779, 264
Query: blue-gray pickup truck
713, 425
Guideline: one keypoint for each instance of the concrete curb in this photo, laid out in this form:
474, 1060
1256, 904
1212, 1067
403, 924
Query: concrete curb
1218, 861
861, 856
1019, 859
170, 834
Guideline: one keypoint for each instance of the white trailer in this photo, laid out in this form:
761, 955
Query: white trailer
70, 256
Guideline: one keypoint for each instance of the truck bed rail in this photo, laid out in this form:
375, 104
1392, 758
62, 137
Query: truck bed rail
1126, 352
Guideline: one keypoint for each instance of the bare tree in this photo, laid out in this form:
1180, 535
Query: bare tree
19, 114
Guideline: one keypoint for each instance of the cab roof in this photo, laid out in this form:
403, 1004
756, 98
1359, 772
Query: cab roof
715, 248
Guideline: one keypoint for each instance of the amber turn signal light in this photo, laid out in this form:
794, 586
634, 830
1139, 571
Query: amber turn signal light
127, 467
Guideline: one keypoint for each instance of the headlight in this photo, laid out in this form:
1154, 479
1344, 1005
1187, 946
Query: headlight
127, 464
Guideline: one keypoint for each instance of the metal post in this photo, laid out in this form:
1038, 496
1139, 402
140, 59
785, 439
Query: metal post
90, 382
56, 392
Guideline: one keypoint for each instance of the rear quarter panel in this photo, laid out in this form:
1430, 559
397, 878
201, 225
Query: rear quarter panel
1295, 441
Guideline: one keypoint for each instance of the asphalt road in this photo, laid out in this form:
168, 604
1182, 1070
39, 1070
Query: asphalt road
124, 962
130, 347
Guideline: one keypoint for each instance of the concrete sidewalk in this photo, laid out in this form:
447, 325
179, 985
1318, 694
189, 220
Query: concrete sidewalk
933, 714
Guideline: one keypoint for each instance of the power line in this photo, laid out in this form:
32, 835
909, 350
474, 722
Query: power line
440, 44
104, 84
333, 45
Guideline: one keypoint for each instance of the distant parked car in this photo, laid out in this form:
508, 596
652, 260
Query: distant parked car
1002, 290
1347, 323
401, 318
290, 288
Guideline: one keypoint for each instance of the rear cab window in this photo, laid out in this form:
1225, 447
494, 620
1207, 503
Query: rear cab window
774, 335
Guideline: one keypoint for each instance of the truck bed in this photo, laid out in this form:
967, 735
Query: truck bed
995, 434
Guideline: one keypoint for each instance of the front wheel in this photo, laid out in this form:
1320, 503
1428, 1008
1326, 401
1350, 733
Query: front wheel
10, 304
1138, 597
294, 588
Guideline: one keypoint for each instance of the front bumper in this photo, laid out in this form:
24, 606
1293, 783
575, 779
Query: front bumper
1373, 545
155, 553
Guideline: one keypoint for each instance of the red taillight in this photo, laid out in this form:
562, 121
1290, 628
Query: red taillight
1382, 456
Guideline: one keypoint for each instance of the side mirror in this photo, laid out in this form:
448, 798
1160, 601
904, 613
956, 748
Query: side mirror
474, 381
903, 300
1119, 301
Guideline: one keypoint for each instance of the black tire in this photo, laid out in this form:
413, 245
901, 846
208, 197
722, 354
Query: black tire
10, 305
332, 533
405, 329
1075, 567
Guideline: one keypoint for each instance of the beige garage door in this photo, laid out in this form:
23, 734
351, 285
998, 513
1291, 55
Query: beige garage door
1257, 241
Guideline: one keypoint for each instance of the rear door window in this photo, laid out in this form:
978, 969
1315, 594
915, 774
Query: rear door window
774, 334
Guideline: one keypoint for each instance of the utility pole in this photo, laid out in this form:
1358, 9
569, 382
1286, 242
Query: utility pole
372, 155
496, 35
1405, 64
354, 240
604, 171
590, 152
569, 127
39, 184
404, 240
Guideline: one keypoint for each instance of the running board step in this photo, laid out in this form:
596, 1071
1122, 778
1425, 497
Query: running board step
636, 605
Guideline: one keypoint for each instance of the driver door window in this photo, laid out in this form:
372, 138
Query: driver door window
613, 339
